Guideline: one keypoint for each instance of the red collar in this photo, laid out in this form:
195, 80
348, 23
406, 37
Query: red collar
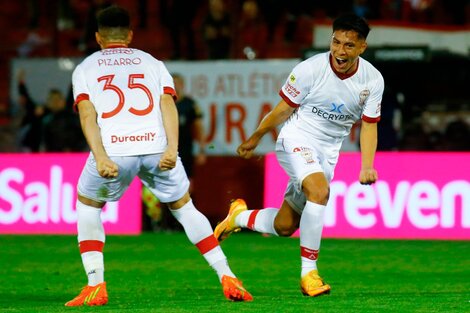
116, 45
343, 76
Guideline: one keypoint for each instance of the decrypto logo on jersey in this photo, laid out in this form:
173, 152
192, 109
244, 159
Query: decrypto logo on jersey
336, 108
331, 115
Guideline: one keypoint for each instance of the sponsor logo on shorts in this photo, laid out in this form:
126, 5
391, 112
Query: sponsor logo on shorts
306, 153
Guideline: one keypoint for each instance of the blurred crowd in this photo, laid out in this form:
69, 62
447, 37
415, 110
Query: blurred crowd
208, 29
220, 29
46, 127
428, 131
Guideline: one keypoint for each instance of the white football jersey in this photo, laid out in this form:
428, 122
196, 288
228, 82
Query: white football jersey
329, 103
125, 86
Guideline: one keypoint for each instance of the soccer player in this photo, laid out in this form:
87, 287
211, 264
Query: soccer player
321, 99
125, 99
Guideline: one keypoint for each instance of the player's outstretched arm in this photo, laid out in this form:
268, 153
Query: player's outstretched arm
368, 139
276, 117
104, 165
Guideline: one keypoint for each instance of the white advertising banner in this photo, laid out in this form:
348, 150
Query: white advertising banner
234, 96
455, 39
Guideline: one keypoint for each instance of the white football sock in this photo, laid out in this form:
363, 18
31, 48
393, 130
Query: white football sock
261, 221
311, 226
91, 238
200, 233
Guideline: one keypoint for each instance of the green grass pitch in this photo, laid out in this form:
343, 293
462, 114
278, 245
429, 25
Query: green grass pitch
165, 273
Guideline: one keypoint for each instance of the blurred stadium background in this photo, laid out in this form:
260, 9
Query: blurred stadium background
421, 47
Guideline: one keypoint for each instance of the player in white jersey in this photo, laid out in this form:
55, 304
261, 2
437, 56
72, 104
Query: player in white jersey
125, 99
321, 100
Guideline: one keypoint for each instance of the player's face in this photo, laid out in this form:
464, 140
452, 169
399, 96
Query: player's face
345, 49
55, 102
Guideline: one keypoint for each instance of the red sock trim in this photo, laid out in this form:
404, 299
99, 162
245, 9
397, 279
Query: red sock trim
91, 245
207, 244
251, 219
309, 253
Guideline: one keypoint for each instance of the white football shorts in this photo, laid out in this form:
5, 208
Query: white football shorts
168, 186
300, 160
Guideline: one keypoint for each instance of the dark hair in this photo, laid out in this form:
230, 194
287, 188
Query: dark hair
351, 21
55, 91
113, 17
176, 75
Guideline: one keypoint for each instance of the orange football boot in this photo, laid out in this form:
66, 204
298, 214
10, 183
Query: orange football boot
234, 290
312, 285
91, 295
228, 226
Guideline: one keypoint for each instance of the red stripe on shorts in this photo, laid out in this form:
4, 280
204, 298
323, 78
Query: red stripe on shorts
309, 253
91, 245
207, 244
251, 219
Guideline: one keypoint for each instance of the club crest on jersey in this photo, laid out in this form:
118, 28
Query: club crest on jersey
363, 96
306, 153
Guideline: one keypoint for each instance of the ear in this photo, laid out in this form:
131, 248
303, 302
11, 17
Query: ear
98, 38
363, 47
130, 35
